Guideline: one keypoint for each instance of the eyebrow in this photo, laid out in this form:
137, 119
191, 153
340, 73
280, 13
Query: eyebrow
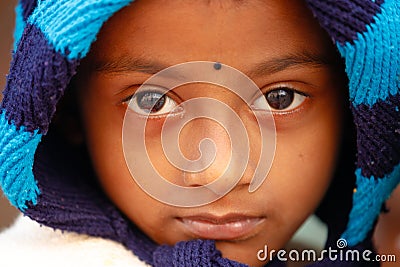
125, 64
129, 64
300, 59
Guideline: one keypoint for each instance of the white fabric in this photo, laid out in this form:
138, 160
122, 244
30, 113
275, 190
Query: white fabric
26, 243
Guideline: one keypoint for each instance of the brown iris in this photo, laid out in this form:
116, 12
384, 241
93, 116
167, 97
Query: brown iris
280, 98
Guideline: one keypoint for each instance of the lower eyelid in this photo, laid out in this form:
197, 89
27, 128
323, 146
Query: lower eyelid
160, 117
155, 116
283, 114
293, 113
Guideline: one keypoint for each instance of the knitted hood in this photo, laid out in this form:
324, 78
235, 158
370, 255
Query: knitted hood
52, 37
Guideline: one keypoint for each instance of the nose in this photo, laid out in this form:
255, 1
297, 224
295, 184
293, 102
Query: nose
230, 164
205, 141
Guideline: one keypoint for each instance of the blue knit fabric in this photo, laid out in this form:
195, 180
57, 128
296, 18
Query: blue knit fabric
72, 25
369, 196
373, 67
16, 162
19, 25
369, 55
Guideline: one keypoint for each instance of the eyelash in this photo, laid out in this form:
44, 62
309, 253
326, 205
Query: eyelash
151, 94
298, 98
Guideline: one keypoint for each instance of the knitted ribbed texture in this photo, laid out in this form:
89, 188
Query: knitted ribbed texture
22, 11
72, 26
198, 253
18, 148
51, 38
367, 34
378, 137
27, 7
344, 19
37, 80
376, 54
19, 25
368, 199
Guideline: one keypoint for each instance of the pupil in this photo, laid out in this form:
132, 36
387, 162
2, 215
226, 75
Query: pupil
151, 101
280, 98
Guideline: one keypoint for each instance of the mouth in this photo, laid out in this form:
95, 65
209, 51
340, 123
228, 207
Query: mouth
229, 227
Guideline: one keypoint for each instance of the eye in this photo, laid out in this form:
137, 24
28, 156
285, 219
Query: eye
152, 102
281, 99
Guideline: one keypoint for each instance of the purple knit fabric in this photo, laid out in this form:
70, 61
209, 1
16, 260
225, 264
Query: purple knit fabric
37, 80
378, 147
342, 19
192, 254
27, 6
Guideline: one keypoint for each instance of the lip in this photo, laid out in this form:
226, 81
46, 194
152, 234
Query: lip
227, 227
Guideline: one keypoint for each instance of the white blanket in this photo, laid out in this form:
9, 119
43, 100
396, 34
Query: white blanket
26, 243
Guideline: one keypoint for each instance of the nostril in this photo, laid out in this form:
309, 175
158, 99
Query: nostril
197, 179
193, 180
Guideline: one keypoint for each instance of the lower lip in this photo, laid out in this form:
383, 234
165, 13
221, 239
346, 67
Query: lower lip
235, 229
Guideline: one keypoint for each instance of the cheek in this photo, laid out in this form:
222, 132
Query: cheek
103, 130
302, 170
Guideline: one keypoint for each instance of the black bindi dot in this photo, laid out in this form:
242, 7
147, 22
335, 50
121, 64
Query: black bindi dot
217, 66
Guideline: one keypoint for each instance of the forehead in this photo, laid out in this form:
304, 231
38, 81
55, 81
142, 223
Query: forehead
224, 31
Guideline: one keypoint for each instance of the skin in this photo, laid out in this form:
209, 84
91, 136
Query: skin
307, 136
387, 233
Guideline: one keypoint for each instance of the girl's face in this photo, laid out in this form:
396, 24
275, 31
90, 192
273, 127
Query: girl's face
281, 48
